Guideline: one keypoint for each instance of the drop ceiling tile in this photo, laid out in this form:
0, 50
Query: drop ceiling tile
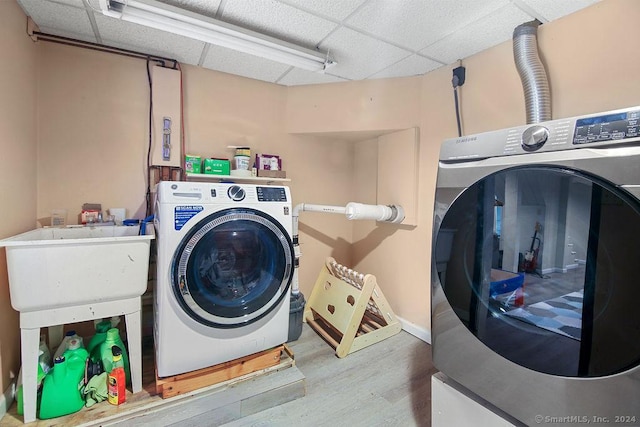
413, 65
359, 56
335, 10
60, 19
369, 44
127, 35
202, 7
297, 77
278, 20
415, 24
554, 9
478, 36
242, 64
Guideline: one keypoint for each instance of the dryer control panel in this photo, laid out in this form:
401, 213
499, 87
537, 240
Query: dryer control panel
594, 130
607, 127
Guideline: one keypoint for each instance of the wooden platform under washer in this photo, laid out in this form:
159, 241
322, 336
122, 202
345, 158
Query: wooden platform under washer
190, 381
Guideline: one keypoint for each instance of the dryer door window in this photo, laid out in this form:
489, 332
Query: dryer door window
542, 265
233, 268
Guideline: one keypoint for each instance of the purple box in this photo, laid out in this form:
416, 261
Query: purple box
268, 162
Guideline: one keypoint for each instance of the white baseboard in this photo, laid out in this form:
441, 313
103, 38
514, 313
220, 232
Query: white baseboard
6, 399
419, 332
564, 269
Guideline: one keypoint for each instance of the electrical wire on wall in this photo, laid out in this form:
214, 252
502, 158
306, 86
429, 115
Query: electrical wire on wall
147, 195
183, 175
457, 81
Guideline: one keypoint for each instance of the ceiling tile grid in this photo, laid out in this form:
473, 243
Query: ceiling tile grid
242, 64
278, 20
369, 39
148, 40
358, 56
337, 11
297, 76
412, 65
66, 18
551, 10
414, 24
482, 34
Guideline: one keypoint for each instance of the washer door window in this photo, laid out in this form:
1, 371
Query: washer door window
542, 265
233, 268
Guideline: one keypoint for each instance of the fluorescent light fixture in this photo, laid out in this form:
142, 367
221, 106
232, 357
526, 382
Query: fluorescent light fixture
178, 21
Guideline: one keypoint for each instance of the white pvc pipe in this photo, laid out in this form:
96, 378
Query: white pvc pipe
353, 211
375, 212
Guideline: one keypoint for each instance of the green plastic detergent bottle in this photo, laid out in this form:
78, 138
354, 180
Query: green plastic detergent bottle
19, 397
101, 334
76, 355
113, 338
61, 393
65, 343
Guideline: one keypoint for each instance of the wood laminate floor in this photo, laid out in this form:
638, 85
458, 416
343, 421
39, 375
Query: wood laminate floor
540, 287
386, 384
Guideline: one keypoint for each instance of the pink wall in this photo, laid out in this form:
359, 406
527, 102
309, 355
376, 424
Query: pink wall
18, 115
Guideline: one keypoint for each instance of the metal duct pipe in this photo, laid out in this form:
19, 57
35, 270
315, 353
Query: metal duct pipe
532, 72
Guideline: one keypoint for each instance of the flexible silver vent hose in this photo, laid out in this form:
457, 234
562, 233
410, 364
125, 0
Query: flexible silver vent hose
532, 72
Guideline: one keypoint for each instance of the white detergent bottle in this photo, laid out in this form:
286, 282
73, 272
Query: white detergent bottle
64, 345
45, 355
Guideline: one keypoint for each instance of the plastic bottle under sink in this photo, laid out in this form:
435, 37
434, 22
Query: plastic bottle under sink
100, 335
116, 391
44, 358
113, 338
64, 345
76, 355
19, 389
60, 391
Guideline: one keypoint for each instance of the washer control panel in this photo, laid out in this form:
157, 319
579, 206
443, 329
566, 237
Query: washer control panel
234, 194
271, 194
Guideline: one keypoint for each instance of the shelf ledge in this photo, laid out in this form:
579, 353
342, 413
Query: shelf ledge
219, 178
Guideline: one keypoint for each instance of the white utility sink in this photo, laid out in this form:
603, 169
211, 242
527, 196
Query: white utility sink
74, 274
72, 266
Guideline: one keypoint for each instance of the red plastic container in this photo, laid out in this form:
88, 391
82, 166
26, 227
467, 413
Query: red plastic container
116, 380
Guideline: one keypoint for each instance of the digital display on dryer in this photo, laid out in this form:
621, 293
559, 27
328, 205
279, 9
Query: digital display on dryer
606, 128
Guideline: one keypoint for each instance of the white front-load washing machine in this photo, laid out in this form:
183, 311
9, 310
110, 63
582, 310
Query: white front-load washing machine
224, 268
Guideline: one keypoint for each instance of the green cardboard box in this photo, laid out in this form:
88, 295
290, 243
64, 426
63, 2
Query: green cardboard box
192, 164
217, 166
